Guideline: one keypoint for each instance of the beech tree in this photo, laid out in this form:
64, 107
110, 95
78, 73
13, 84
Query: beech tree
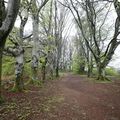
102, 58
17, 51
61, 14
7, 19
47, 42
35, 51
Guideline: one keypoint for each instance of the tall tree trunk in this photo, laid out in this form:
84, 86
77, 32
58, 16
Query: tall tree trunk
19, 66
89, 72
19, 84
34, 68
57, 41
101, 72
58, 60
35, 54
43, 72
6, 26
57, 70
82, 68
51, 71
44, 69
90, 67
58, 45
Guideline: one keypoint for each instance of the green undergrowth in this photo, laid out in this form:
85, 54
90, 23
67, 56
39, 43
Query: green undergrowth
108, 72
8, 66
64, 73
81, 74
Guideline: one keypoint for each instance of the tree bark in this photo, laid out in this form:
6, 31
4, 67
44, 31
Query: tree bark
6, 27
89, 72
35, 54
19, 66
90, 65
44, 69
43, 72
101, 72
57, 69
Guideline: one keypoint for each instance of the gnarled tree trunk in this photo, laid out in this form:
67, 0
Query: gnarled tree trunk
101, 72
19, 66
6, 26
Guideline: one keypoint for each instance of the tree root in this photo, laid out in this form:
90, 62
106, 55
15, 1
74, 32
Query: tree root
102, 78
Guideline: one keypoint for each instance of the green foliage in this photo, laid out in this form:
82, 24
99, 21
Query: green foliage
78, 61
27, 69
111, 71
16, 89
94, 71
8, 43
8, 66
108, 71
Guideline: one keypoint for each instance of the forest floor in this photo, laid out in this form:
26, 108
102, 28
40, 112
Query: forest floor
71, 97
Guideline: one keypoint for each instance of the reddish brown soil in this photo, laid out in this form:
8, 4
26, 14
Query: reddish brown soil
72, 97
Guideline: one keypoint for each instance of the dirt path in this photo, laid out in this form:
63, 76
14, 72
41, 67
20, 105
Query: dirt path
72, 97
92, 101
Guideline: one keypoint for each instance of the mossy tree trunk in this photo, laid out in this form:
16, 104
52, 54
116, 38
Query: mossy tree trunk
35, 49
89, 63
18, 53
34, 74
44, 69
89, 72
6, 25
57, 69
51, 71
19, 84
36, 8
19, 66
82, 68
43, 73
90, 69
101, 72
